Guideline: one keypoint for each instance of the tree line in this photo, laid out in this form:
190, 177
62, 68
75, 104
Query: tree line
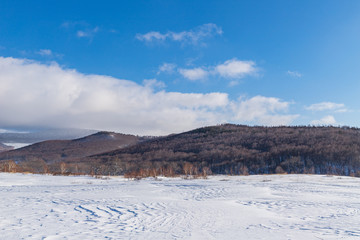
231, 149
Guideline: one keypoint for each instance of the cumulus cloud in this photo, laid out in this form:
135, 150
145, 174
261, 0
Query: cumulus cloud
294, 74
325, 121
327, 106
35, 94
262, 110
233, 69
193, 36
194, 74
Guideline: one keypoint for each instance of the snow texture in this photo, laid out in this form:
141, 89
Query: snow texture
221, 207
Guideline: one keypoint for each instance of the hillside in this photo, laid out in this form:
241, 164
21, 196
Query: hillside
4, 147
236, 149
52, 152
223, 149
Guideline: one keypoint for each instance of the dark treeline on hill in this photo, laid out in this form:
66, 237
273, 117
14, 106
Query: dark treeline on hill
237, 149
232, 149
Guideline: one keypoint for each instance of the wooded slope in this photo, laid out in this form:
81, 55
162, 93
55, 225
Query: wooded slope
237, 149
223, 149
48, 155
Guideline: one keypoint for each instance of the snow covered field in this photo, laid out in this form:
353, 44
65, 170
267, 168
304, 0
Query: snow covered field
221, 207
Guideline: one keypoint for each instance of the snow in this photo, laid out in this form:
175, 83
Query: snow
221, 207
17, 145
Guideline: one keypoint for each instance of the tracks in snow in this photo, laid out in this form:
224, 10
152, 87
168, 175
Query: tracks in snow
254, 207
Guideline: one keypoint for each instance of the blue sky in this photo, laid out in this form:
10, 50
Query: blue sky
157, 67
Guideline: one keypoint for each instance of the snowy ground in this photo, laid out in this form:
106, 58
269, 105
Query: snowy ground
222, 207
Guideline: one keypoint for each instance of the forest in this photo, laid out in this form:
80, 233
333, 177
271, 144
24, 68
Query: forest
222, 149
242, 150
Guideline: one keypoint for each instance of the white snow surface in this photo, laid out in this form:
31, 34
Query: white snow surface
17, 145
221, 207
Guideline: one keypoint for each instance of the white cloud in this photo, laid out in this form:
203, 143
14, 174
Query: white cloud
152, 36
71, 24
234, 68
262, 110
35, 94
48, 53
87, 33
327, 106
327, 120
11, 131
81, 33
193, 36
294, 74
82, 29
167, 68
45, 52
3, 131
194, 74
153, 83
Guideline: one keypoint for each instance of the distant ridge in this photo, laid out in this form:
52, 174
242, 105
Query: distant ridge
55, 151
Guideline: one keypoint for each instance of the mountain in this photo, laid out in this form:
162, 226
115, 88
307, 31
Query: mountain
35, 157
237, 149
43, 135
222, 149
4, 147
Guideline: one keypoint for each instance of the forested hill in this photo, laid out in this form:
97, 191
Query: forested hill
223, 149
238, 149
47, 155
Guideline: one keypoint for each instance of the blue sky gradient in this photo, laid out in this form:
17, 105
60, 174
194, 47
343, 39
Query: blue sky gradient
298, 59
